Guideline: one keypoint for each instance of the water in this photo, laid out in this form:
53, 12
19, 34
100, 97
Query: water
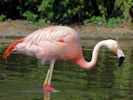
21, 77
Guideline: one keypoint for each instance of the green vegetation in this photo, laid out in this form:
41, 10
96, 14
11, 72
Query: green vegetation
2, 17
105, 12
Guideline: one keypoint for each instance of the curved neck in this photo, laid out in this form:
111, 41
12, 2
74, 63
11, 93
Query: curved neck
88, 65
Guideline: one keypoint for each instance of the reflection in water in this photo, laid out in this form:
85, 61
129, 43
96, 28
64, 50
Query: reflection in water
21, 77
47, 96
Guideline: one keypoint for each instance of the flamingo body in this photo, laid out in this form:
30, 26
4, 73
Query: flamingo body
55, 42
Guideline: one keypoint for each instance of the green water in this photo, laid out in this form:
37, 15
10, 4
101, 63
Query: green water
21, 77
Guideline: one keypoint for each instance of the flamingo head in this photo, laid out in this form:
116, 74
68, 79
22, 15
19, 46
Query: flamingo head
120, 55
114, 46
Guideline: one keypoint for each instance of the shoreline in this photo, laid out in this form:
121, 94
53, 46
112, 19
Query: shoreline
15, 29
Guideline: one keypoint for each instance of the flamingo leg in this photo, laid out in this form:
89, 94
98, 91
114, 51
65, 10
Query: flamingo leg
51, 71
47, 77
47, 82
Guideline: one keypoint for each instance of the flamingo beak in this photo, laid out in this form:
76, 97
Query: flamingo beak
121, 56
121, 60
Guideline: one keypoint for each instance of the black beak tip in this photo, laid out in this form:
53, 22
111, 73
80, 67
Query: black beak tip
121, 60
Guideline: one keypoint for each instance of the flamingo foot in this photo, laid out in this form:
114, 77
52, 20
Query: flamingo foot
48, 88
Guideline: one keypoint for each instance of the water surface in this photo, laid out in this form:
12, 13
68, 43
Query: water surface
21, 77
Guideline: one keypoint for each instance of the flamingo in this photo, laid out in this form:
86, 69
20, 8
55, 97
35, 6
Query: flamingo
60, 43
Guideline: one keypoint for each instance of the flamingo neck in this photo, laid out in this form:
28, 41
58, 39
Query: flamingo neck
89, 65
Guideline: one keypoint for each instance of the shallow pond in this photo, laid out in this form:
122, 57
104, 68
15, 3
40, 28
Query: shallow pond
21, 77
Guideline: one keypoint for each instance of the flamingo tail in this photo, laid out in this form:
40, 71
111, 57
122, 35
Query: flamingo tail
10, 48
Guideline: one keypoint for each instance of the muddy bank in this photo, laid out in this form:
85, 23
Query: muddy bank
12, 29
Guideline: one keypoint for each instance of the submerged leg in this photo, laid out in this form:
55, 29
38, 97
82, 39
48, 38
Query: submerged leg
47, 83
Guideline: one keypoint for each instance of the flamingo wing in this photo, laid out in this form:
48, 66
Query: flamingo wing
53, 33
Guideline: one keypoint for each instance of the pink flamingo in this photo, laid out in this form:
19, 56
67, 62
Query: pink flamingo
59, 43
